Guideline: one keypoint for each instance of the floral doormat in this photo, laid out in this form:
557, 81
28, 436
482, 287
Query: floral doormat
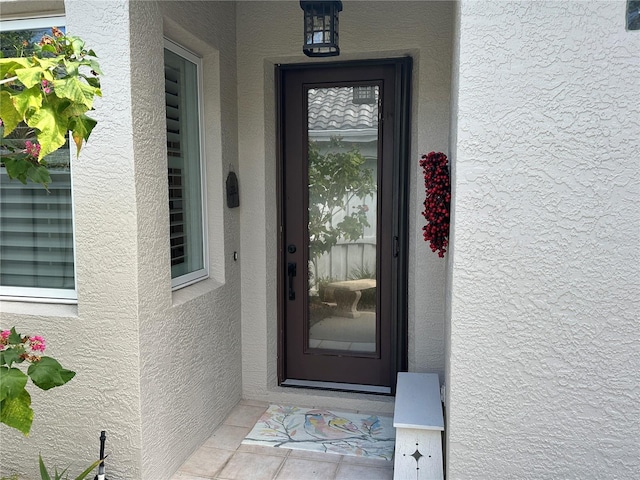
324, 431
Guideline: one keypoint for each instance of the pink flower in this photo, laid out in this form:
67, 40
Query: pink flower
5, 334
32, 149
46, 86
37, 343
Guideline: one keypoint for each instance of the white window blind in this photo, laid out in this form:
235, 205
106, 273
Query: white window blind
175, 162
184, 166
36, 234
36, 225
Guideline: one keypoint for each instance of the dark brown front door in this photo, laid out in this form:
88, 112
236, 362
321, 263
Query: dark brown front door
342, 215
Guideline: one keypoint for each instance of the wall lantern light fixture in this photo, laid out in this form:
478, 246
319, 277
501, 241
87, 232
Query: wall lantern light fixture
321, 28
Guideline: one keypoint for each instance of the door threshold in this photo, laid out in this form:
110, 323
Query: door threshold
345, 387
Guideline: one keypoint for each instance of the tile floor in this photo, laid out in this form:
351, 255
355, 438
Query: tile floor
222, 457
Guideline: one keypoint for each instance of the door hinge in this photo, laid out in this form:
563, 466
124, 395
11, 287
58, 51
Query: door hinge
396, 246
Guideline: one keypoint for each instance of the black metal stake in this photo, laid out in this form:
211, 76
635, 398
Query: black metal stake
103, 439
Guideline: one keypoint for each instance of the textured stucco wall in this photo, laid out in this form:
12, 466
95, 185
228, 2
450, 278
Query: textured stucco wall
190, 363
544, 359
159, 370
98, 338
270, 33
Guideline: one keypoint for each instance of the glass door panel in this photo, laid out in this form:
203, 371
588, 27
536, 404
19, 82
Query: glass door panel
342, 218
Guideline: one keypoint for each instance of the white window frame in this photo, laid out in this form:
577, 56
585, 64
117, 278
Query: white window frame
36, 294
203, 273
32, 23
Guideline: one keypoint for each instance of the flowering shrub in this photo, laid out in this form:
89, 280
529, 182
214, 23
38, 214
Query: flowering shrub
49, 94
45, 373
437, 202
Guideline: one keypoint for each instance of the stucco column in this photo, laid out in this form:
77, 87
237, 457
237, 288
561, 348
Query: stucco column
543, 365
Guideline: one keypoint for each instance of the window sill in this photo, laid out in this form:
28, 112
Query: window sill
195, 290
39, 309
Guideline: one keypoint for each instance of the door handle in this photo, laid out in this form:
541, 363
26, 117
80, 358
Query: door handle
291, 271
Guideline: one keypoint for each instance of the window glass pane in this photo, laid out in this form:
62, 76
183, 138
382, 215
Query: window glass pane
184, 168
36, 225
19, 43
633, 15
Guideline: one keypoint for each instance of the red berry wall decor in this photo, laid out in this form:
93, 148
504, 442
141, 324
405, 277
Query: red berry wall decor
437, 186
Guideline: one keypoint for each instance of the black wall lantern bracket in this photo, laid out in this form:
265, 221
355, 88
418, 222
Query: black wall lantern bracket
321, 28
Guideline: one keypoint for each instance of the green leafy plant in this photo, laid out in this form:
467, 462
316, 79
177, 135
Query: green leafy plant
336, 178
45, 372
49, 93
321, 285
361, 272
44, 474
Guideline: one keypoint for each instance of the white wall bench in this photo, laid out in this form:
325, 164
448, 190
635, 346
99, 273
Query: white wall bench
347, 294
419, 425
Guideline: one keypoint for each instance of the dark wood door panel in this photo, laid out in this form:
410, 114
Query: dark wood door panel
333, 138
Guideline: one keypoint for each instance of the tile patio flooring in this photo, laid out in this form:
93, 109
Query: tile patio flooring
222, 457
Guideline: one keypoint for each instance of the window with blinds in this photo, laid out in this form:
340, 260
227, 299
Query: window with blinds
184, 166
36, 225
